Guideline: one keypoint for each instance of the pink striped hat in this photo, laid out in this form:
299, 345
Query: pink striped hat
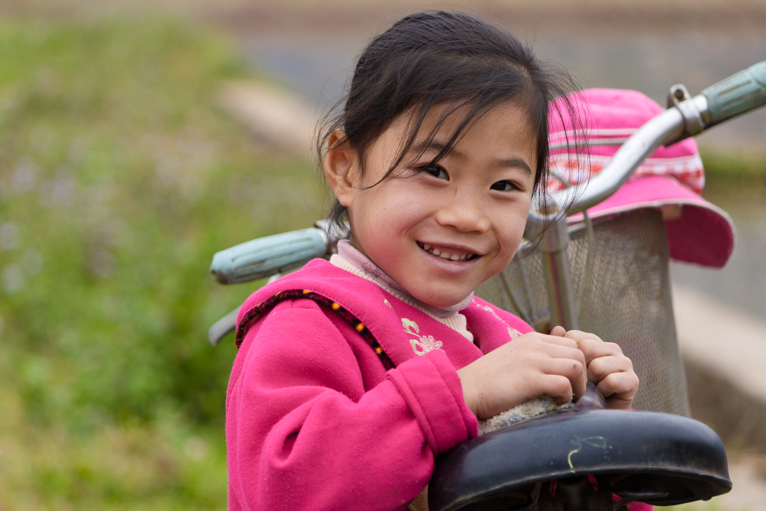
671, 179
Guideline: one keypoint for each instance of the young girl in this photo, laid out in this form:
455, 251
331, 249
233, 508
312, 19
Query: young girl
353, 375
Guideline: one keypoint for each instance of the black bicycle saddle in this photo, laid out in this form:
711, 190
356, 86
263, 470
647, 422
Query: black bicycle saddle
585, 454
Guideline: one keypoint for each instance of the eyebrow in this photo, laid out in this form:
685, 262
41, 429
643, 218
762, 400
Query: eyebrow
435, 145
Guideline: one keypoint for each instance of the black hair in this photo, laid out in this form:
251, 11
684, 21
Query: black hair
444, 58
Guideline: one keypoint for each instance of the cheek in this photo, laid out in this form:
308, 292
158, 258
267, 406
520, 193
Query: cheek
509, 245
509, 238
511, 226
396, 203
383, 218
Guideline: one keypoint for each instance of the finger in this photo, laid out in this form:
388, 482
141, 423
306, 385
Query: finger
560, 341
579, 335
594, 348
619, 389
616, 403
563, 352
557, 387
572, 370
599, 368
558, 331
584, 340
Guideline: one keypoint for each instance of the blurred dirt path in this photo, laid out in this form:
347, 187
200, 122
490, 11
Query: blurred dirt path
348, 16
332, 17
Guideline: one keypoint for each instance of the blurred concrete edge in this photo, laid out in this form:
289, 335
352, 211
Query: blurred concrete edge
724, 351
275, 116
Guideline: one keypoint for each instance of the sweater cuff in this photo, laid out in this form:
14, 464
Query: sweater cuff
432, 389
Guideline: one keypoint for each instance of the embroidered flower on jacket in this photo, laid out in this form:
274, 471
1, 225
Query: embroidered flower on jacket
423, 344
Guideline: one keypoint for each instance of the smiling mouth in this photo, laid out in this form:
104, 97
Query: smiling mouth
450, 254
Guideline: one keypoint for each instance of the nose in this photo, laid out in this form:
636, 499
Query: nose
465, 212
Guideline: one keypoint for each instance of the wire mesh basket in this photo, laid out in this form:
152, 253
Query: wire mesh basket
623, 290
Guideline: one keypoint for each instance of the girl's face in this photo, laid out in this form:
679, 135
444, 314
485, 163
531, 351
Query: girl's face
441, 230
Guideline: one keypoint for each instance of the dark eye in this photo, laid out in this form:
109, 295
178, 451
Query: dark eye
435, 171
504, 186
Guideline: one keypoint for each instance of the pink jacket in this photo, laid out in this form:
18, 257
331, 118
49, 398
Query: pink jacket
341, 396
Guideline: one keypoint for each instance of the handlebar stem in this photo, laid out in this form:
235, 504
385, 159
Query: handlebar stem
558, 276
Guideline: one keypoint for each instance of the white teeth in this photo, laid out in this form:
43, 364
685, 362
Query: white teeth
445, 255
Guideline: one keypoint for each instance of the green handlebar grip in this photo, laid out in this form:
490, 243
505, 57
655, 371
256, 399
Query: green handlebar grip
263, 257
737, 94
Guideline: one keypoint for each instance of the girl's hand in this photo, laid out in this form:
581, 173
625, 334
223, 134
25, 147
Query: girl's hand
607, 367
530, 366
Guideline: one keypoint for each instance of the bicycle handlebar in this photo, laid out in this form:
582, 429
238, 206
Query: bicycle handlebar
738, 94
263, 257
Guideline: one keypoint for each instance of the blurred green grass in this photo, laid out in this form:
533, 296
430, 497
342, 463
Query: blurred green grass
735, 179
119, 179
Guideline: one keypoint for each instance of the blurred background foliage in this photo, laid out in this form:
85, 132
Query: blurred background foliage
119, 179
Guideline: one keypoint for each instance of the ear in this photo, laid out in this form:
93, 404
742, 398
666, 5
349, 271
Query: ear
341, 167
